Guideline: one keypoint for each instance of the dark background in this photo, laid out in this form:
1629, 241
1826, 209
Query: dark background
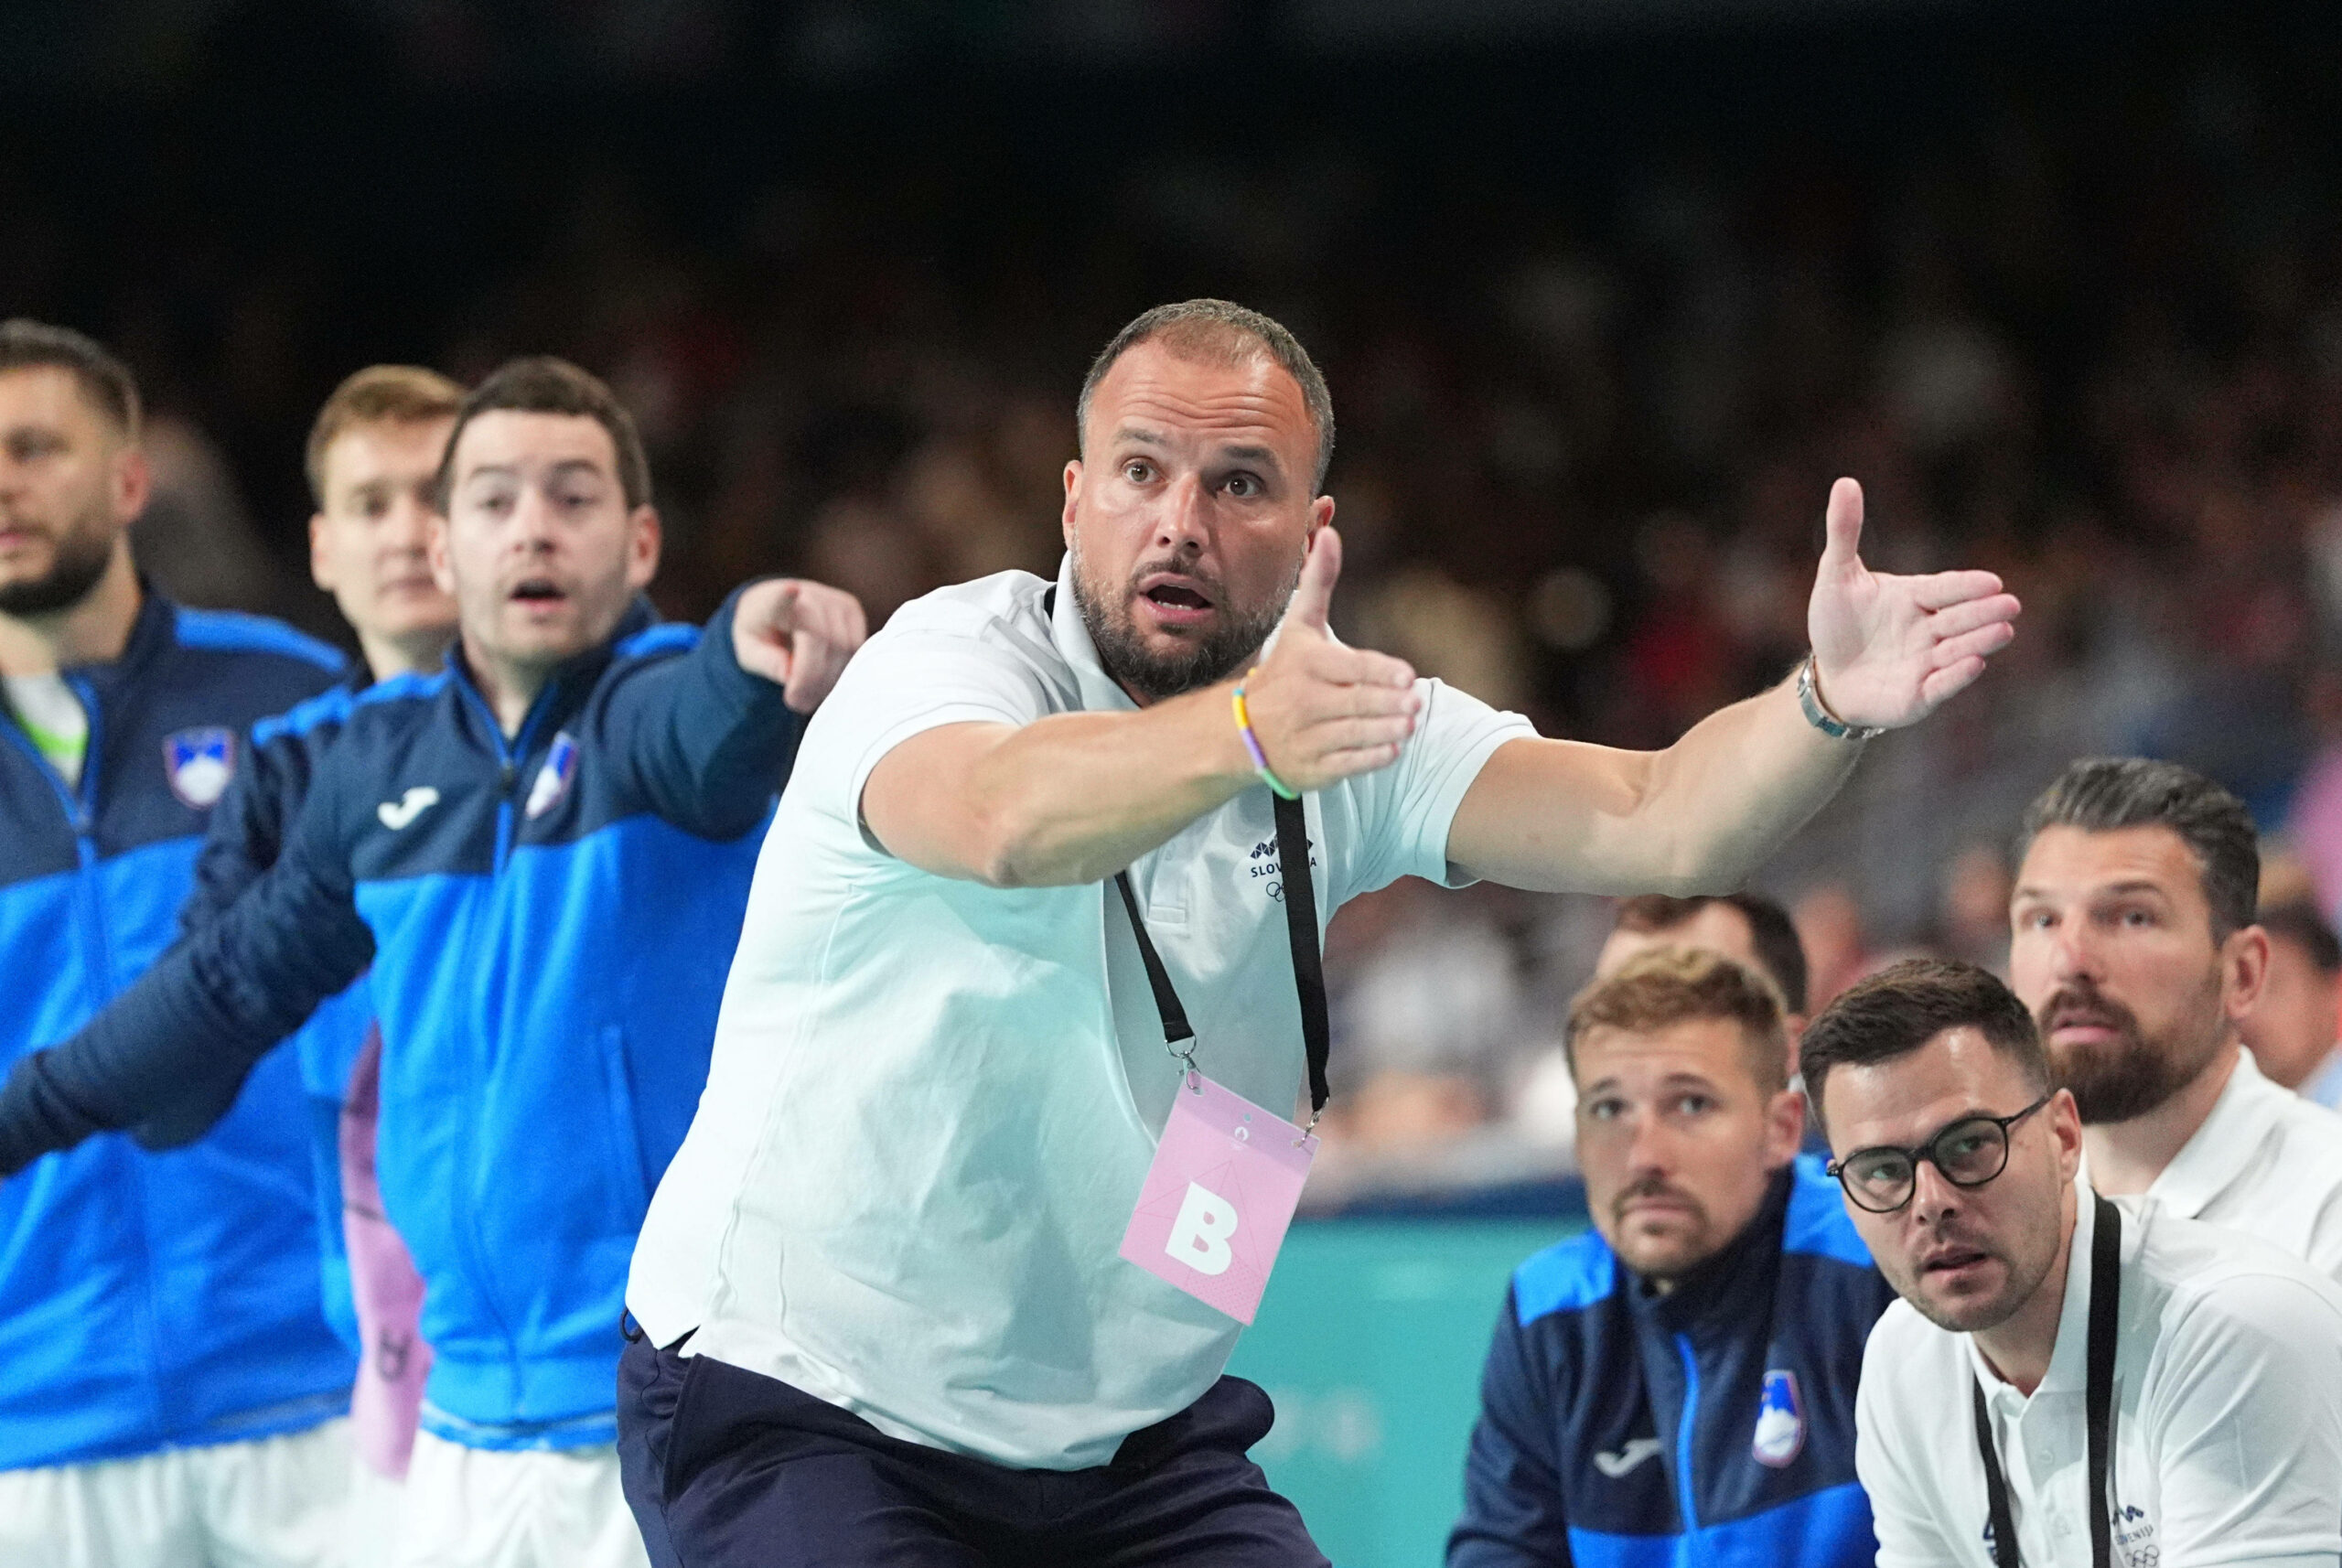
1607, 292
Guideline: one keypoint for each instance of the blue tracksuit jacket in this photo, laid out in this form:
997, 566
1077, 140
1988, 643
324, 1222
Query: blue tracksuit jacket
550, 918
150, 1302
246, 836
1713, 1425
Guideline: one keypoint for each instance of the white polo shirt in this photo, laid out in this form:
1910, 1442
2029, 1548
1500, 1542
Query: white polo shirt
933, 1103
2228, 1415
2265, 1162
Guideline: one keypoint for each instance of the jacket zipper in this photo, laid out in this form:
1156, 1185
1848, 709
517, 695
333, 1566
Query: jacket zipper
1685, 1425
509, 758
81, 805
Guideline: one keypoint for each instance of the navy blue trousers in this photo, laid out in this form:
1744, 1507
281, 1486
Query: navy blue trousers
728, 1468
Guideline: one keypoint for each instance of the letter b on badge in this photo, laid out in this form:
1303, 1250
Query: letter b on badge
1200, 1235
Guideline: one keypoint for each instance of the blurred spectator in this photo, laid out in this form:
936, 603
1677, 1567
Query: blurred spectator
1974, 925
2297, 1021
1829, 927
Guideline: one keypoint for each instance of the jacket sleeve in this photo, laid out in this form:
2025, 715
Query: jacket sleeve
170, 1055
706, 743
1513, 1490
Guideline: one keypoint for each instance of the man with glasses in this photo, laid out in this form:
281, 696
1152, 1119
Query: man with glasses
2136, 946
2067, 1380
1680, 1379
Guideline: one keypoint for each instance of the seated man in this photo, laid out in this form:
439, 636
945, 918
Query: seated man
2297, 1018
1747, 928
2067, 1380
2134, 941
1702, 1395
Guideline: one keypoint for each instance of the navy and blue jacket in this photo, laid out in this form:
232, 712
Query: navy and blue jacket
149, 1302
1713, 1425
550, 918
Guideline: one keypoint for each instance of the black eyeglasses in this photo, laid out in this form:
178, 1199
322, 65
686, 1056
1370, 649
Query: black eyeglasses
1969, 1153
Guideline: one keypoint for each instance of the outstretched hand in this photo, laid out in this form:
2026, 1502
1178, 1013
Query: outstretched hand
1323, 711
1887, 651
798, 634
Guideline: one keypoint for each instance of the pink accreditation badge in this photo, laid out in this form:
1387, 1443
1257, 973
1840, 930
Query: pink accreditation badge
1226, 1180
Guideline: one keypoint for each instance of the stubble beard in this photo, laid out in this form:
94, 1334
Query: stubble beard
1235, 640
82, 556
1975, 1314
2130, 1075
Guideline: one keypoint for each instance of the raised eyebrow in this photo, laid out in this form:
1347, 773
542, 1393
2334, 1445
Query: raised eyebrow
1133, 435
569, 466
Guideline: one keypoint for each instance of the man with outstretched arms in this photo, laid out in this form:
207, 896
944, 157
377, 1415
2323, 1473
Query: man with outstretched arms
543, 852
1679, 1382
373, 464
881, 1284
2133, 941
2070, 1380
169, 1390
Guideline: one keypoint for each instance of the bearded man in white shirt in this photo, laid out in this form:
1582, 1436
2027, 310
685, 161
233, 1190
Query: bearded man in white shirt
885, 1317
2133, 944
2067, 1380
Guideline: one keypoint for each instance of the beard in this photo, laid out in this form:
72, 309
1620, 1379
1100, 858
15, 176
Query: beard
1220, 653
2130, 1075
82, 556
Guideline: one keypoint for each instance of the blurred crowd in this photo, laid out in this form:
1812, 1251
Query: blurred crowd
1585, 433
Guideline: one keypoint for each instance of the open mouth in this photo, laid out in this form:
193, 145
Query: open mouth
1175, 600
539, 591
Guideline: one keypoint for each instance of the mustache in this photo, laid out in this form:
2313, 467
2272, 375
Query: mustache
1650, 1186
2079, 1000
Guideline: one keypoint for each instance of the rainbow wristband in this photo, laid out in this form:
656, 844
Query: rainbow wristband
1252, 743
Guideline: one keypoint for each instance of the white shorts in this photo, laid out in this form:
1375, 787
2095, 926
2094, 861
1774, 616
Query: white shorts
376, 1516
274, 1502
476, 1508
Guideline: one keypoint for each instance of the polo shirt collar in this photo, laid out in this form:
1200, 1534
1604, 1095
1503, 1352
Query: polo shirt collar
2069, 1357
2241, 1121
1100, 693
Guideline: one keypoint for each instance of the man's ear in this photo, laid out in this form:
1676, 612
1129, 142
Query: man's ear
2244, 969
1784, 1128
1321, 513
643, 539
435, 551
134, 483
320, 567
2066, 1127
1073, 499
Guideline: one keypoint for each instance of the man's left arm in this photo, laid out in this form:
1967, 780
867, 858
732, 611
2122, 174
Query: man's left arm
1564, 816
711, 736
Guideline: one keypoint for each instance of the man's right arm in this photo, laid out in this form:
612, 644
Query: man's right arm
1075, 797
170, 1055
1512, 1493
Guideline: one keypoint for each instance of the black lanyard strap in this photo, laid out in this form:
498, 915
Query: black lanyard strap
2098, 1402
1300, 899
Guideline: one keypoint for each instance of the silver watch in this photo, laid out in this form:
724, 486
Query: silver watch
1820, 717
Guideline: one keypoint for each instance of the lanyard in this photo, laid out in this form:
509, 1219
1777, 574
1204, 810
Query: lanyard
2105, 1298
1308, 966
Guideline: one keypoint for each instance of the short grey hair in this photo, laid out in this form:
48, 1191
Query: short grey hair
2104, 794
1221, 330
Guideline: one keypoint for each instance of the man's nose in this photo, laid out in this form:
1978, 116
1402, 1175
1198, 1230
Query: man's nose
2073, 949
409, 527
1933, 1197
1650, 1147
533, 522
1182, 521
